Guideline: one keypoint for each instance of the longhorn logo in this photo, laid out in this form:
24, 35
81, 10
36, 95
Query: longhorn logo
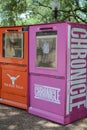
12, 78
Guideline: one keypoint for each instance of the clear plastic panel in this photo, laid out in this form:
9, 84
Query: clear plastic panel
13, 45
46, 49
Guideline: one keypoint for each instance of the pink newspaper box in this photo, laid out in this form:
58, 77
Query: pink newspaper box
57, 69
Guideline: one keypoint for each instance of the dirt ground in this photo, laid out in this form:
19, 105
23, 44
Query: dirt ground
17, 119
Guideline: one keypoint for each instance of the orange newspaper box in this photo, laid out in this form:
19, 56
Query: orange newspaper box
14, 60
0, 79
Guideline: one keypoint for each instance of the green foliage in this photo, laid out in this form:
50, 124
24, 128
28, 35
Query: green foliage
19, 12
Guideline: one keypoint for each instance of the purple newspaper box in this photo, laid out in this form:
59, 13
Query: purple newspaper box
57, 69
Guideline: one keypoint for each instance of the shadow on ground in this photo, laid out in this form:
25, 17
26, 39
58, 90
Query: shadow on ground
17, 119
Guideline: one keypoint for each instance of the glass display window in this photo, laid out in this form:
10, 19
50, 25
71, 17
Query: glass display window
46, 49
13, 45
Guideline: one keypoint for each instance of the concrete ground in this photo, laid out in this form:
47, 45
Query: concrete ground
17, 119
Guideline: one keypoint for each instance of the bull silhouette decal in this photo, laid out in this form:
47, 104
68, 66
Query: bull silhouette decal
12, 78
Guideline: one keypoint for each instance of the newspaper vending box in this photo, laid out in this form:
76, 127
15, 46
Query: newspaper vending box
0, 79
14, 60
58, 71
